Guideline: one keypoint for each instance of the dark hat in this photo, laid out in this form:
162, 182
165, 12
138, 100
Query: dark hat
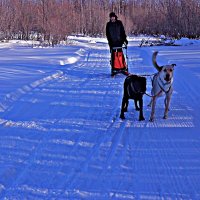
112, 14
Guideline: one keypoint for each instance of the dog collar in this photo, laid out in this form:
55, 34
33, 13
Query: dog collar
165, 86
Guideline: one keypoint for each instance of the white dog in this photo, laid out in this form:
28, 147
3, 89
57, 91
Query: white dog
161, 84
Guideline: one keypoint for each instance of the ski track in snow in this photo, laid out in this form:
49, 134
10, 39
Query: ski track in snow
61, 136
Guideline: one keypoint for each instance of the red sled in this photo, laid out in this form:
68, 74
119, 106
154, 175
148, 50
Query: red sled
118, 61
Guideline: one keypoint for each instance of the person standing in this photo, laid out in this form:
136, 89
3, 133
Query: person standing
116, 37
115, 32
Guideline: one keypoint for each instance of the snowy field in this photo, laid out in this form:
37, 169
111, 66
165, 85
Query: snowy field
60, 133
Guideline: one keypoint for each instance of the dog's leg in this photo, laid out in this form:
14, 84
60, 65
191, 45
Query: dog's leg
153, 109
168, 98
150, 103
136, 105
126, 105
141, 117
123, 107
166, 103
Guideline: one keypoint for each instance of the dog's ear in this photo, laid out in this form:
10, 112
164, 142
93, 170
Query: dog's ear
159, 68
173, 65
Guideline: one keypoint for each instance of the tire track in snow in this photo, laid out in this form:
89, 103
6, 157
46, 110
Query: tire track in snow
34, 157
115, 142
74, 149
71, 182
11, 98
23, 171
14, 96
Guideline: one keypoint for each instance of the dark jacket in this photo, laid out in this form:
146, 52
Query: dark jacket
115, 34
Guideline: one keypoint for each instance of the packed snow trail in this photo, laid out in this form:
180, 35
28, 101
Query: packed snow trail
61, 136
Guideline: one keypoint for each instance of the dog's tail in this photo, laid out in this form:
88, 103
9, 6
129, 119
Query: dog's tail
155, 62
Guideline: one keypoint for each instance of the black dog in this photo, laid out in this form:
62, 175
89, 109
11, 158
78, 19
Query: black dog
134, 88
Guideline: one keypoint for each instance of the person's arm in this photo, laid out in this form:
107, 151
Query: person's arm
108, 34
123, 34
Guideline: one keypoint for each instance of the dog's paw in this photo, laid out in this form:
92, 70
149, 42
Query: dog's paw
151, 119
122, 116
165, 117
141, 119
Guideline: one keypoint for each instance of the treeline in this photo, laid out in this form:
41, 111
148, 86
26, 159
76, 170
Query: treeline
56, 19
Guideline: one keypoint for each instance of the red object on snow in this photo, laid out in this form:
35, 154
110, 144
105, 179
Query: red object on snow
119, 60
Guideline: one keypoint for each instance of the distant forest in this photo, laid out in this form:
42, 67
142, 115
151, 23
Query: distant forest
56, 19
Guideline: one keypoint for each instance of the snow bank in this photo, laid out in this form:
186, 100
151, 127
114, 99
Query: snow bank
88, 39
17, 43
187, 42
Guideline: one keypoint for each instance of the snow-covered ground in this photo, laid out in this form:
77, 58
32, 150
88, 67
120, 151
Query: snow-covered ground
60, 132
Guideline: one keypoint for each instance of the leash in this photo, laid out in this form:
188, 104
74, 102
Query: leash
153, 96
162, 90
143, 75
148, 74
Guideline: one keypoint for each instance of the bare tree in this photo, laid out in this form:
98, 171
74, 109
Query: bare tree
54, 20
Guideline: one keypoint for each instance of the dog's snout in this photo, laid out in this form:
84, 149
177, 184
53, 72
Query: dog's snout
167, 77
